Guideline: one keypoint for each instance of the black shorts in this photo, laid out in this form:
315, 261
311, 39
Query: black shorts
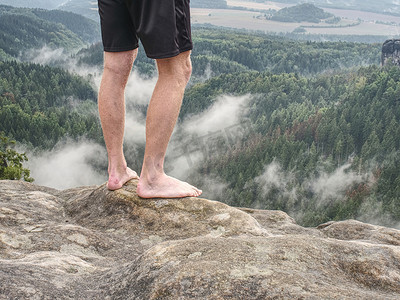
163, 26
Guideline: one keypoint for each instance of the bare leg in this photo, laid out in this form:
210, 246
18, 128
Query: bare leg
117, 67
162, 114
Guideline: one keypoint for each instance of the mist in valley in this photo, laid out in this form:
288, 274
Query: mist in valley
196, 140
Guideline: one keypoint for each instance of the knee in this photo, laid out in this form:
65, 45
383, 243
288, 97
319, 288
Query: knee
187, 70
119, 64
178, 68
183, 72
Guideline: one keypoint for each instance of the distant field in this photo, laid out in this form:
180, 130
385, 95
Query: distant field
364, 28
254, 20
363, 15
239, 19
256, 5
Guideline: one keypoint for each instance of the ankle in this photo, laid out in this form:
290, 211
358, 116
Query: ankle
151, 178
116, 169
153, 169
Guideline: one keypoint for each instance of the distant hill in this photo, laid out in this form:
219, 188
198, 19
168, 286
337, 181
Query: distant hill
381, 6
87, 9
25, 28
208, 3
86, 29
46, 4
301, 13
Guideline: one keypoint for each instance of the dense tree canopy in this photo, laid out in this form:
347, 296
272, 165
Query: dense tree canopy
23, 29
312, 126
40, 104
226, 51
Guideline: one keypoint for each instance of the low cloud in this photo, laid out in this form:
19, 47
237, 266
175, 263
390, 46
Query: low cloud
208, 73
225, 112
275, 178
207, 134
139, 90
135, 128
324, 186
58, 57
46, 56
332, 186
213, 187
68, 165
182, 166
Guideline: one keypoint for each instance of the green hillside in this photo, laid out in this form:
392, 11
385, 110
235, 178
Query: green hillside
84, 28
39, 105
22, 29
228, 51
310, 127
301, 13
87, 9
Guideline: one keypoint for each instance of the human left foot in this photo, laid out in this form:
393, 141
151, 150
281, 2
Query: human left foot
117, 180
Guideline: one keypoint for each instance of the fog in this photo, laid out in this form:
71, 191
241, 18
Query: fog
332, 186
195, 141
69, 164
225, 112
72, 163
326, 186
63, 59
201, 137
274, 177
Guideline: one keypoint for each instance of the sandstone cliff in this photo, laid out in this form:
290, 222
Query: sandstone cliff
391, 52
90, 243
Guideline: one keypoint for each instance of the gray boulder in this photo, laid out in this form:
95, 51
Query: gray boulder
91, 243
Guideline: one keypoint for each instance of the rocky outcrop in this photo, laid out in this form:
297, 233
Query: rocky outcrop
391, 52
90, 243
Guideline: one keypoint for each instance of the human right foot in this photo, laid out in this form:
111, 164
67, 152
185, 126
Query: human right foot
166, 187
117, 180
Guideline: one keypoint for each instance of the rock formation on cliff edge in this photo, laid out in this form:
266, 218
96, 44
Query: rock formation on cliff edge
391, 52
90, 243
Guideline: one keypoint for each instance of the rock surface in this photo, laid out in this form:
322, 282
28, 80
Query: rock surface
90, 243
391, 52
